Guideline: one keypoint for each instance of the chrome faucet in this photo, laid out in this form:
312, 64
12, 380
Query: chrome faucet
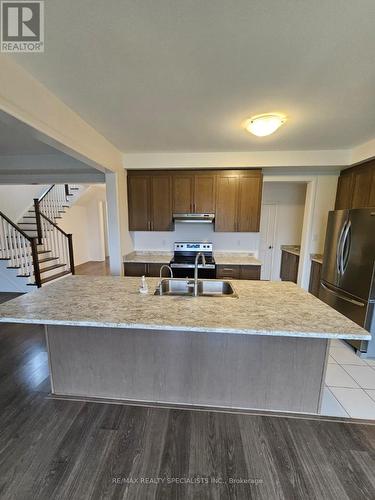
199, 254
160, 275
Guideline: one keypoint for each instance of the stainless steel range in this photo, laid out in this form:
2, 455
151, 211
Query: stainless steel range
184, 260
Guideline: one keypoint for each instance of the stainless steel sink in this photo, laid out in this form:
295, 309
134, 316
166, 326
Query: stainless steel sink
206, 288
173, 286
215, 288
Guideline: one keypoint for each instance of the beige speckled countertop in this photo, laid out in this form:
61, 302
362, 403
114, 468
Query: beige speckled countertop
236, 259
149, 257
263, 308
317, 257
295, 249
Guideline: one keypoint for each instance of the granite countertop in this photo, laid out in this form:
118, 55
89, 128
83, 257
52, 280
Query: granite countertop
149, 257
263, 308
317, 257
295, 249
236, 259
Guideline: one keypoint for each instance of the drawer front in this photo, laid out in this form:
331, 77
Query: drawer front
228, 272
250, 272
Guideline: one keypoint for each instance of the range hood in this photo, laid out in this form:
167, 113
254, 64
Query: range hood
198, 218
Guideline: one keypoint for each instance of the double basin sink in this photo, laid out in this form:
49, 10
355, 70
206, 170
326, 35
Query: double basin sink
185, 287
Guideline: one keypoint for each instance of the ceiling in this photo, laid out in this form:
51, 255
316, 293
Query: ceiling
181, 75
16, 140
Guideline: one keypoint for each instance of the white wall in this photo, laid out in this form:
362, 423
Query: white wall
15, 200
290, 200
239, 242
324, 202
85, 221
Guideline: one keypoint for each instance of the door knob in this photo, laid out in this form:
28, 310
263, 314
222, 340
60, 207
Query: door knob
270, 247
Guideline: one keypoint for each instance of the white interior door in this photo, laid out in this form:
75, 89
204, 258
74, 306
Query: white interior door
268, 223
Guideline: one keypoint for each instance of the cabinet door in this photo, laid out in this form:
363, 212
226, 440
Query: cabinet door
250, 273
315, 273
249, 200
204, 193
293, 267
135, 269
161, 203
154, 270
183, 193
344, 191
139, 202
361, 187
371, 201
226, 203
285, 266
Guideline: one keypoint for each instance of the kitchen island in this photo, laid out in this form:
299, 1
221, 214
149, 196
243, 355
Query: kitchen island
266, 349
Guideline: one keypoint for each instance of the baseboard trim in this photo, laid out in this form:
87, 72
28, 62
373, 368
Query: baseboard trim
240, 411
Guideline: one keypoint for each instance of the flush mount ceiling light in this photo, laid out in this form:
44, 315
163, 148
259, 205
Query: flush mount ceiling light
261, 125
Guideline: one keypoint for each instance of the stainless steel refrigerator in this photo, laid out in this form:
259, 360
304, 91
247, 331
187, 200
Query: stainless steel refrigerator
347, 280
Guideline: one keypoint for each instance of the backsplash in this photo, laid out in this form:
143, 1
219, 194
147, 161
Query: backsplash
234, 242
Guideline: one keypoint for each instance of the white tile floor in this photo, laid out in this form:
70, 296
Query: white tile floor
350, 384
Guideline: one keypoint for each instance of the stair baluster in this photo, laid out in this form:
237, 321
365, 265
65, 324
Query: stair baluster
19, 249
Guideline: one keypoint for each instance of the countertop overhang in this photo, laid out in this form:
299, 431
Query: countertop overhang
263, 308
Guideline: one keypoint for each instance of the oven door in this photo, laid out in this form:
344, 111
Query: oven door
188, 272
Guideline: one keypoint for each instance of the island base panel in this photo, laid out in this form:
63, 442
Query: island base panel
188, 368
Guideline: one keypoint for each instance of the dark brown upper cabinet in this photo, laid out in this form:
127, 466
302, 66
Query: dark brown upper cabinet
204, 193
183, 192
139, 202
193, 193
234, 196
356, 187
238, 201
249, 202
150, 202
226, 202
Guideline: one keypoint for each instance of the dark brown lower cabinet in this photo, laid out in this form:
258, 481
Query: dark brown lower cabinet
142, 269
289, 266
315, 273
222, 272
238, 272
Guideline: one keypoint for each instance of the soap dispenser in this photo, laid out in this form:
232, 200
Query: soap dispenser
144, 287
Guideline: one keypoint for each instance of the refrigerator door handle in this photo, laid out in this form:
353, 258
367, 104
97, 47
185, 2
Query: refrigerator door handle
352, 301
345, 248
339, 251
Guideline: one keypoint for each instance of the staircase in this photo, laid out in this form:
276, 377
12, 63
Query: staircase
36, 251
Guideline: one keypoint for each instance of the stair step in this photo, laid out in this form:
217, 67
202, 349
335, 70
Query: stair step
55, 276
50, 268
48, 259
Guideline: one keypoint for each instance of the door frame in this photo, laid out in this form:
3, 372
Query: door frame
306, 237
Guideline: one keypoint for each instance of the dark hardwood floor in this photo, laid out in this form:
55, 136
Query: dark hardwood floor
68, 450
94, 268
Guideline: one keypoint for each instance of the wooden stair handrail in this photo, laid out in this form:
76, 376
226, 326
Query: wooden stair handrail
69, 236
29, 238
34, 248
54, 224
45, 193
